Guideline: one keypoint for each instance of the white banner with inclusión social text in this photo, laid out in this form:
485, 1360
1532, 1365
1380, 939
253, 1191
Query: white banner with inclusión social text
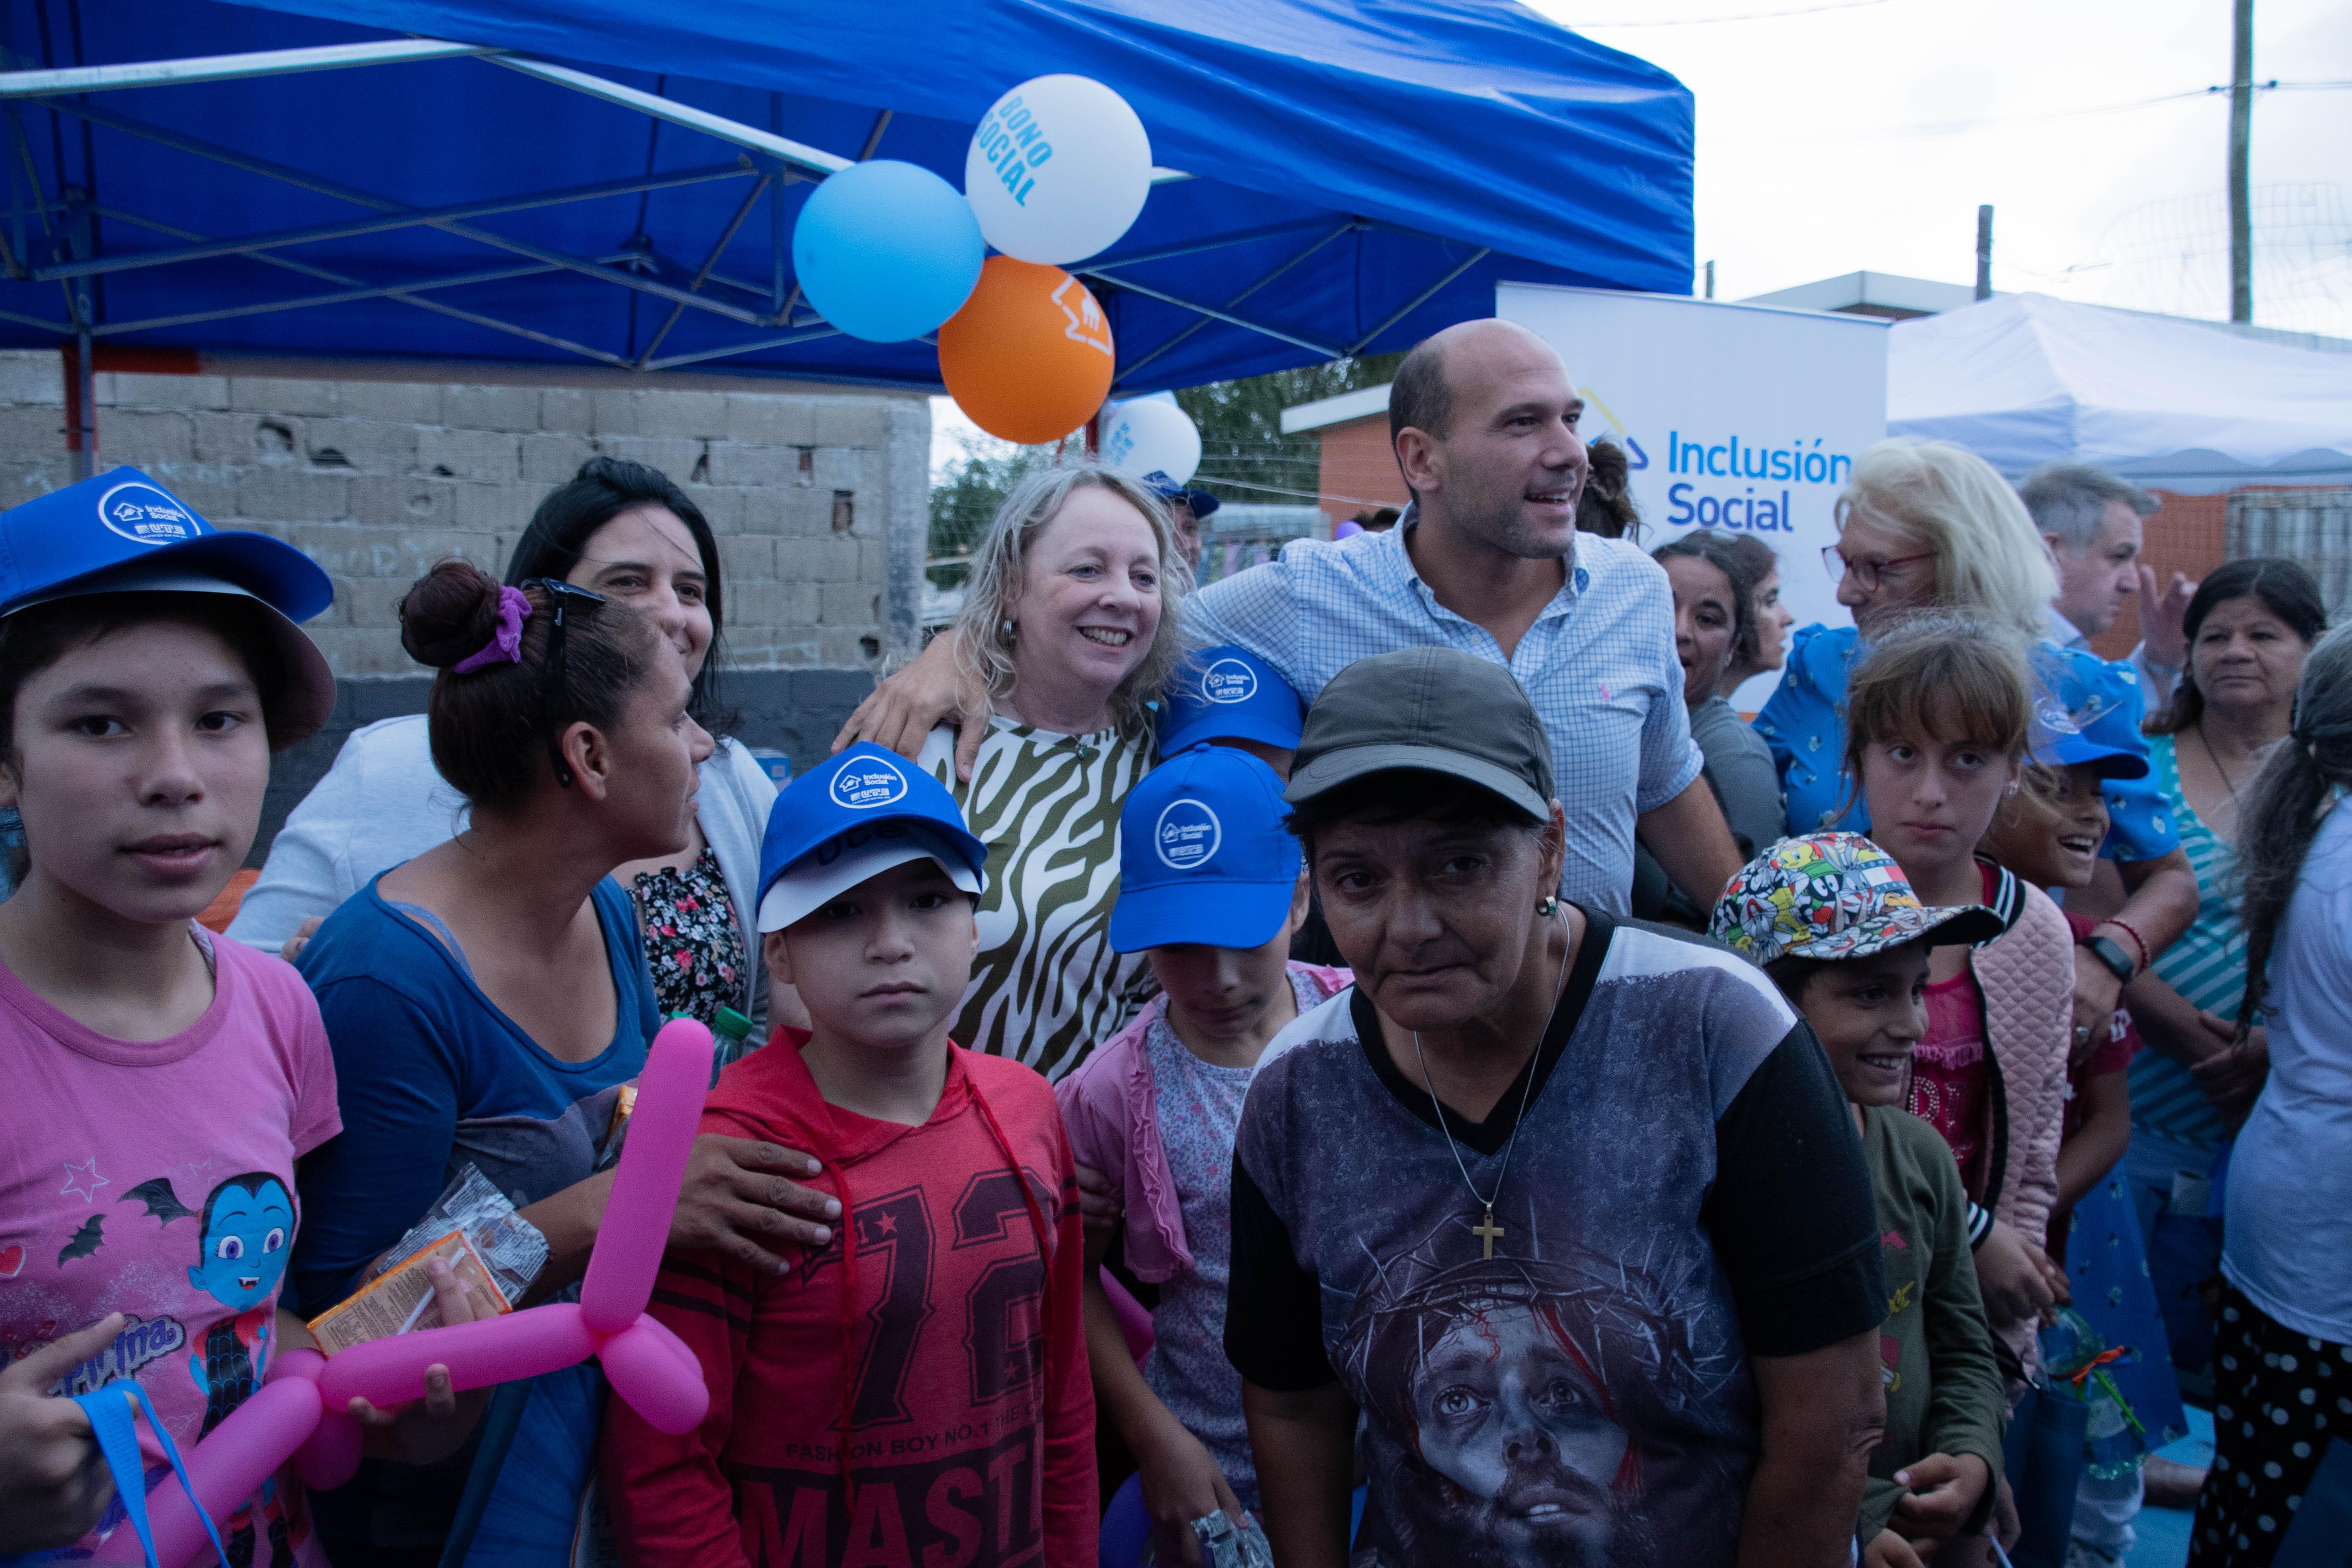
1746, 417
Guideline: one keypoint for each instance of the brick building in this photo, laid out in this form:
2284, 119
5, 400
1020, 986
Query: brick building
376, 473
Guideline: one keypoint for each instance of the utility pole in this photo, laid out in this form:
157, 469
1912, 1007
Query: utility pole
1984, 252
2241, 136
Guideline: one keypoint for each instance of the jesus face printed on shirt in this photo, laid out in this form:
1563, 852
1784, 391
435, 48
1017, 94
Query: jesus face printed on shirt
1507, 1411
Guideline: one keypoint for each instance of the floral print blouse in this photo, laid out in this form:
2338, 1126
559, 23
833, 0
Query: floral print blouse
694, 945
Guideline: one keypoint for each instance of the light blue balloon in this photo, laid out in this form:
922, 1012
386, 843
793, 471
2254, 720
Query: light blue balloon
887, 251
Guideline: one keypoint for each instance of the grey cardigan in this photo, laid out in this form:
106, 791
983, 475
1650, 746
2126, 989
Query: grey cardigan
383, 803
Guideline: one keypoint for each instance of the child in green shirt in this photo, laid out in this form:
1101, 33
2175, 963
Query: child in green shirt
1834, 922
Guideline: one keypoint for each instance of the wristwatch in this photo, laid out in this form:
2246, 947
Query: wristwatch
2111, 953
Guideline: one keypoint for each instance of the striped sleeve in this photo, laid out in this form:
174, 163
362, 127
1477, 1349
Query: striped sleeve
670, 1500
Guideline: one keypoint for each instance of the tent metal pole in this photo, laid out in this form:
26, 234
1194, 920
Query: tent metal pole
1326, 350
406, 293
1347, 228
752, 347
326, 188
421, 215
85, 435
799, 154
1247, 237
702, 274
310, 302
1418, 301
230, 68
62, 329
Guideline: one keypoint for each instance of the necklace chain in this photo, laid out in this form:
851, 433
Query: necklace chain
1438, 1105
2215, 758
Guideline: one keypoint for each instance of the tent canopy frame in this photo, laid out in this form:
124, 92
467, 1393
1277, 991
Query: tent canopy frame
780, 162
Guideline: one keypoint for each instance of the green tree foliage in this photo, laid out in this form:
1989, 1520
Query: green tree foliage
1244, 456
965, 497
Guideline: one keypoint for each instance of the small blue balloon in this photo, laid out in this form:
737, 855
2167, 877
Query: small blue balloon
887, 251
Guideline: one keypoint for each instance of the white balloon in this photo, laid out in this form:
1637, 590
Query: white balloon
1058, 170
1148, 436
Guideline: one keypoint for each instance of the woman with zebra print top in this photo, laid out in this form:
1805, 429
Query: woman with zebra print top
1070, 622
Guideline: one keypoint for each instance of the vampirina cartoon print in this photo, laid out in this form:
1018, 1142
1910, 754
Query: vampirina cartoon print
245, 1233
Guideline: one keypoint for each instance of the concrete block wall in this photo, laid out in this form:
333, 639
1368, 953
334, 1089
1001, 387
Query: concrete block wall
377, 479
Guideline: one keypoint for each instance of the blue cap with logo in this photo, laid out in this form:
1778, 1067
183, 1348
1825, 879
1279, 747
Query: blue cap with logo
122, 532
856, 816
1228, 692
1201, 502
1203, 854
2109, 741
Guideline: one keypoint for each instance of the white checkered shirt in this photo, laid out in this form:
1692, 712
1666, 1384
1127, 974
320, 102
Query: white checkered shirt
1599, 664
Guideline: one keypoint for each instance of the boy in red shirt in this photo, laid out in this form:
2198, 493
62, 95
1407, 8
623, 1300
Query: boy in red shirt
941, 1330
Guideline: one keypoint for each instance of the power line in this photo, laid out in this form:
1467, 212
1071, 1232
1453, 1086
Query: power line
1961, 127
1711, 21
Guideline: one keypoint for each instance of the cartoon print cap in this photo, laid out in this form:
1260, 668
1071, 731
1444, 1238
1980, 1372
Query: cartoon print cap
1228, 692
122, 532
1833, 896
856, 816
1203, 854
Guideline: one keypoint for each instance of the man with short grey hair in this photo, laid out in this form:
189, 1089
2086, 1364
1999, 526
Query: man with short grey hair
2091, 520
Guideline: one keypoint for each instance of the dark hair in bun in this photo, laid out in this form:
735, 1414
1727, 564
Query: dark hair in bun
490, 727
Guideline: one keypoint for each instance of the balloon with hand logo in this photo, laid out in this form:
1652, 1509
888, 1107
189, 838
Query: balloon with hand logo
1151, 436
886, 251
1058, 170
1029, 357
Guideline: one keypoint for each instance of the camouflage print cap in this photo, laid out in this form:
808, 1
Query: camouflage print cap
1833, 896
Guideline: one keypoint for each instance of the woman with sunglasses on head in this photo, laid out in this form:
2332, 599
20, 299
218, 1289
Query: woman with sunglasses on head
488, 1001
1927, 525
626, 531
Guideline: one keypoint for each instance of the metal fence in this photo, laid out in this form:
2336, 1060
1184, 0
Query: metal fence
2312, 526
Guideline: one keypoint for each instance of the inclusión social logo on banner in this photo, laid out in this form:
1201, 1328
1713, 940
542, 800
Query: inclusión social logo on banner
1229, 680
867, 783
145, 515
1186, 835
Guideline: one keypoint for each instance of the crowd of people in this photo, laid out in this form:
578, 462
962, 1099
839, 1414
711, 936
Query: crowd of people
1128, 1031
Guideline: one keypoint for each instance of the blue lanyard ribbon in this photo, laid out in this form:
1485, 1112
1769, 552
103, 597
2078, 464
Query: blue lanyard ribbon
113, 1421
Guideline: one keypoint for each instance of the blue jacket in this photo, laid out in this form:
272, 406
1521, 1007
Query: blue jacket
1804, 725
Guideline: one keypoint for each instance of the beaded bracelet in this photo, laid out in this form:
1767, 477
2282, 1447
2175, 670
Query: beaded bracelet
2145, 959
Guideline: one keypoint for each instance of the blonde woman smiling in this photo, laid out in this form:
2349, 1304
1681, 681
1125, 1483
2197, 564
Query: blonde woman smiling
1070, 623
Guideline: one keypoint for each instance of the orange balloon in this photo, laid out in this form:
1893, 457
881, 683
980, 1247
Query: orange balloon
1029, 357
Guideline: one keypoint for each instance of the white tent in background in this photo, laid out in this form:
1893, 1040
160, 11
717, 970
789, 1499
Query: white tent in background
2193, 407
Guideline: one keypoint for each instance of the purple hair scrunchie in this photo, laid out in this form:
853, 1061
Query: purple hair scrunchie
505, 646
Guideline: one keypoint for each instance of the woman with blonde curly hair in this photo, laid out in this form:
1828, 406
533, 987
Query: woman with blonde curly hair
1070, 622
1926, 526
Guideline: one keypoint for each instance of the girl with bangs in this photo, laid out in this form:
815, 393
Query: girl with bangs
1937, 725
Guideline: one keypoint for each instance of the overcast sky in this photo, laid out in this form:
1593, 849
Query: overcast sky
1812, 159
1814, 156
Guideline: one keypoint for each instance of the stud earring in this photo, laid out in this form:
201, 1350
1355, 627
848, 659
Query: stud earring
1005, 630
2012, 789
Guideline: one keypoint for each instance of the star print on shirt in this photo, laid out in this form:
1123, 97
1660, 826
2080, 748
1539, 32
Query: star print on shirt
83, 1180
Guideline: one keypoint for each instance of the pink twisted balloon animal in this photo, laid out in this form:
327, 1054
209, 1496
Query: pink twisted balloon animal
301, 1410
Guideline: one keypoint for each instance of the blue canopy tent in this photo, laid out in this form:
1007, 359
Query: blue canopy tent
613, 182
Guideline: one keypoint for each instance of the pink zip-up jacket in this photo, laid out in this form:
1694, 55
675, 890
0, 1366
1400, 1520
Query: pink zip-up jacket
1111, 1107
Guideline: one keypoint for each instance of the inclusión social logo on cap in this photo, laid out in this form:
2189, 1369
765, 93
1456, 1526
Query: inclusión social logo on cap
1229, 680
1229, 693
1203, 856
868, 782
1187, 834
145, 515
851, 817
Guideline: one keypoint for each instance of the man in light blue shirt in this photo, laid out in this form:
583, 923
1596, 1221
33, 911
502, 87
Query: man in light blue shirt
1483, 419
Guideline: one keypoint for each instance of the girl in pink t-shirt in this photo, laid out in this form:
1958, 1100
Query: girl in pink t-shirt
161, 1083
1938, 715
